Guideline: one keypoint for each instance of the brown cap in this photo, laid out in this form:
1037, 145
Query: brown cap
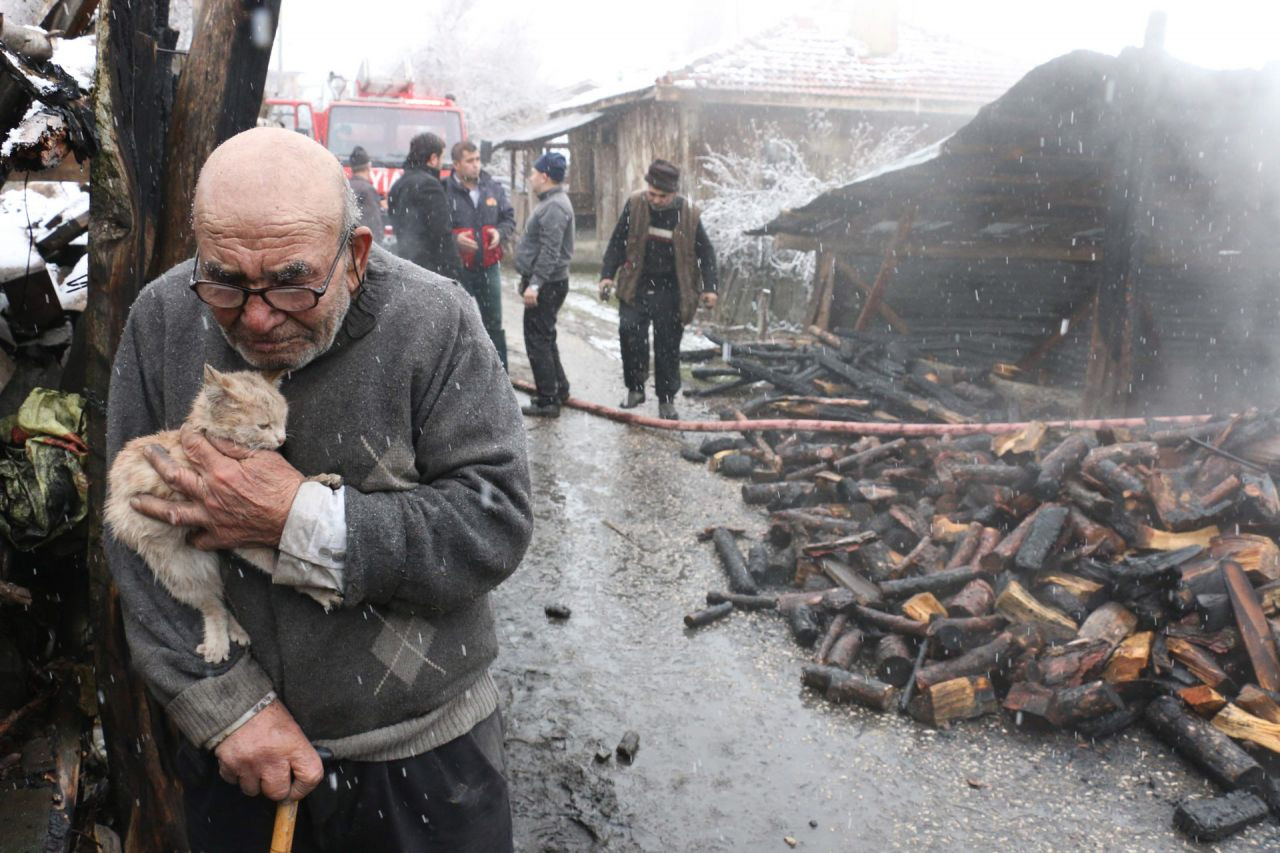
663, 176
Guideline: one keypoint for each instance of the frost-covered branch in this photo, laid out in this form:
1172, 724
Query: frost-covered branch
752, 186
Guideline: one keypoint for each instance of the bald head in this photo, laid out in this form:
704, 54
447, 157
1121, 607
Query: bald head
269, 178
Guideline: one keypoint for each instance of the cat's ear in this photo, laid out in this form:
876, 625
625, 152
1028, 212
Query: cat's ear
212, 376
275, 377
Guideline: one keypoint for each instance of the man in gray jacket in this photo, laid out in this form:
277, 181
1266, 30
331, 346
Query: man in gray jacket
392, 384
542, 259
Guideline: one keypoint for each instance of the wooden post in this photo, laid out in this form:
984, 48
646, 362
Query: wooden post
887, 266
1109, 376
131, 104
133, 99
219, 94
823, 290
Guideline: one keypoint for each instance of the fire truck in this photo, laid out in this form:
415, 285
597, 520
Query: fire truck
381, 116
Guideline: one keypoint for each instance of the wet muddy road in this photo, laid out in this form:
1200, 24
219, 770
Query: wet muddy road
733, 754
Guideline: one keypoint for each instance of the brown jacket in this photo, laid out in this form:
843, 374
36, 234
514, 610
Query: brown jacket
684, 236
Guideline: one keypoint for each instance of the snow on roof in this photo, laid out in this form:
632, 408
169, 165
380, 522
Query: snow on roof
801, 57
77, 57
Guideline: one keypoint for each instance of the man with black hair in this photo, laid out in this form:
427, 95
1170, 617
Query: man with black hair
419, 211
542, 259
665, 268
366, 196
482, 220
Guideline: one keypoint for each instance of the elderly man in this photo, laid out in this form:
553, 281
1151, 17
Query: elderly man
665, 267
392, 384
367, 196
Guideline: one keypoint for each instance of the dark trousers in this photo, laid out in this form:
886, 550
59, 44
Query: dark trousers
540, 342
656, 302
453, 798
485, 286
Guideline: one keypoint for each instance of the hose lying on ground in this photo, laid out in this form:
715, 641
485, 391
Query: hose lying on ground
860, 428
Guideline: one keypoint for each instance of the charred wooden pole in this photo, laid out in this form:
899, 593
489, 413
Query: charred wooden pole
219, 94
131, 106
1109, 377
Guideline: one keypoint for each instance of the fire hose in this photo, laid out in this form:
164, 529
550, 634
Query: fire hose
862, 428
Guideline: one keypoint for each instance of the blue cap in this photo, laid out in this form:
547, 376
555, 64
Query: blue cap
552, 164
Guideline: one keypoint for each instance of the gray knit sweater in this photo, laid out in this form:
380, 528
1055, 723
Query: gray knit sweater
412, 407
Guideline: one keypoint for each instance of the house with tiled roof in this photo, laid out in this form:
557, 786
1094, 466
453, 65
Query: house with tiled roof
815, 81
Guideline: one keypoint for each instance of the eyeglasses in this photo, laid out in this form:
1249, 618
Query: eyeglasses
288, 298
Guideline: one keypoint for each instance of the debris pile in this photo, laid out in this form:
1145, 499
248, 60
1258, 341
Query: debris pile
1082, 580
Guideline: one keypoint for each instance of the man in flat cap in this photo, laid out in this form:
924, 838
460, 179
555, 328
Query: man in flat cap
367, 196
664, 267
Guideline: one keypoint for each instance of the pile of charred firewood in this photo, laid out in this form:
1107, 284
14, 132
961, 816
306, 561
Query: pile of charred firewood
865, 377
1086, 581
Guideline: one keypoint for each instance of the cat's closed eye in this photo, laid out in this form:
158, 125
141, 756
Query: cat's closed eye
264, 426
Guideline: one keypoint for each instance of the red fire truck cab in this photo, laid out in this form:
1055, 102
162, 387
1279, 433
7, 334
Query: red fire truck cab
382, 116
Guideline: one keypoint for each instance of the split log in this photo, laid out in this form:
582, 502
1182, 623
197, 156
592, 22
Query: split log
1254, 630
1091, 502
849, 688
815, 521
1063, 599
894, 660
845, 651
1119, 481
937, 583
1259, 556
1042, 537
1130, 658
958, 699
1160, 540
864, 591
1072, 705
1258, 703
1060, 463
1203, 745
1025, 697
1097, 538
1216, 818
1241, 725
837, 627
803, 622
707, 616
743, 602
1203, 699
1068, 666
731, 558
966, 547
956, 634
1002, 556
922, 607
1200, 662
995, 656
1021, 606
976, 598
1111, 622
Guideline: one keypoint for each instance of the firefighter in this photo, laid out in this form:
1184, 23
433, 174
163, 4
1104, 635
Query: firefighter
482, 220
664, 267
419, 212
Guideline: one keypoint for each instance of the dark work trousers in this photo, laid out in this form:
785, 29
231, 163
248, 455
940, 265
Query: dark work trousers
656, 302
453, 798
540, 342
485, 286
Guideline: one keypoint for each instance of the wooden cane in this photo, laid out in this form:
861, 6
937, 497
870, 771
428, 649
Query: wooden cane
286, 820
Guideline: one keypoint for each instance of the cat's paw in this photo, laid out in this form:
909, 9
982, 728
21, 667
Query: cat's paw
327, 600
215, 649
237, 633
333, 481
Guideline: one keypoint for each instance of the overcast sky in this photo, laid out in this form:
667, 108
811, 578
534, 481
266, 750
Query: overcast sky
585, 39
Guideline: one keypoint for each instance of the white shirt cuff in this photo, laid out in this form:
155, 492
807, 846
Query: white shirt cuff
313, 545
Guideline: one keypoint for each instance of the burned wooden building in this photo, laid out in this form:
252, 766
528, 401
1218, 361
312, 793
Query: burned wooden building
818, 82
1107, 225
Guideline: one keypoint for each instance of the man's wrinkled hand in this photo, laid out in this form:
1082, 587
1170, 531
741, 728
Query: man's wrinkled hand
707, 300
606, 289
233, 497
270, 755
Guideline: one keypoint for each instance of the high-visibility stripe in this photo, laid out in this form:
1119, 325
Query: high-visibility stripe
661, 234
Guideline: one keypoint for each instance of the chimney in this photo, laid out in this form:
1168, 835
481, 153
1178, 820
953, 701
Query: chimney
875, 24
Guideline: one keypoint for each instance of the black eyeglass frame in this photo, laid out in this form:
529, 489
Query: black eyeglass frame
265, 292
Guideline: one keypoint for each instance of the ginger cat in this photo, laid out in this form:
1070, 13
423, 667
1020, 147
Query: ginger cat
245, 408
